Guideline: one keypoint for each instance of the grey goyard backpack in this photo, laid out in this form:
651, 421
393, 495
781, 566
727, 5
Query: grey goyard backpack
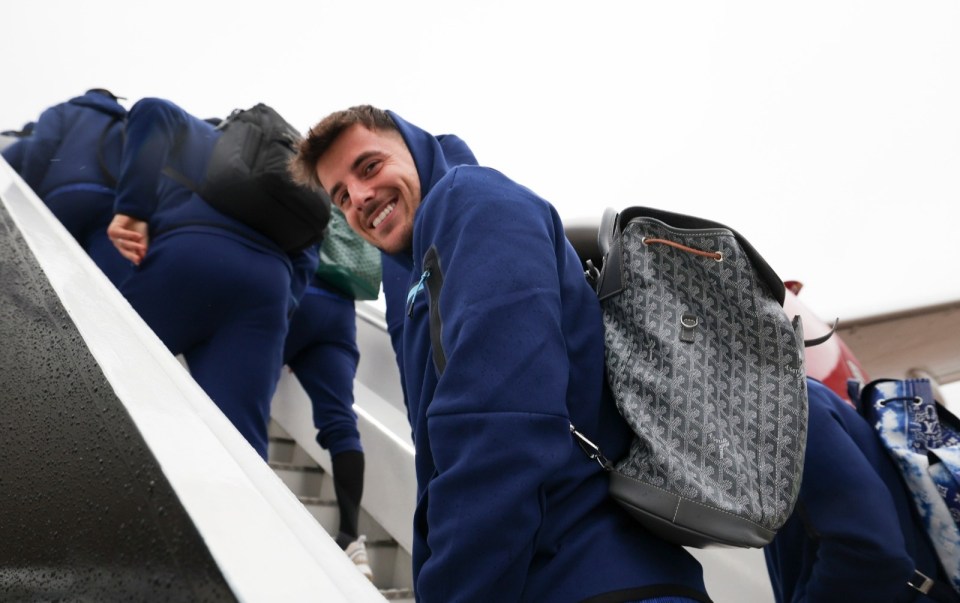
708, 371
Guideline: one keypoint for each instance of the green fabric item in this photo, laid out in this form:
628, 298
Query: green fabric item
347, 262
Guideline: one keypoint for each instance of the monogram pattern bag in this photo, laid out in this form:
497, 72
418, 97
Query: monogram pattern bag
708, 371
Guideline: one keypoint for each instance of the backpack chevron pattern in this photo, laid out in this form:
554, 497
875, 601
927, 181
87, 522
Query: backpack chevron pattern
708, 371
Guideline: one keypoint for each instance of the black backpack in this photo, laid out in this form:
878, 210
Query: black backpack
247, 178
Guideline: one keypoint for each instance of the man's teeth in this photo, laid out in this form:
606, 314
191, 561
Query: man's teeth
383, 214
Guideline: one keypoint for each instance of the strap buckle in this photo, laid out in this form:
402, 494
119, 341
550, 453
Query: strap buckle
919, 581
591, 449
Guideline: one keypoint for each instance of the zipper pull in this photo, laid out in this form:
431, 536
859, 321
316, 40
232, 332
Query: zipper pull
415, 290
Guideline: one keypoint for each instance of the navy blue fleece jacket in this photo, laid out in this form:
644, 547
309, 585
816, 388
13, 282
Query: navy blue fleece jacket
509, 508
853, 535
67, 143
162, 134
396, 269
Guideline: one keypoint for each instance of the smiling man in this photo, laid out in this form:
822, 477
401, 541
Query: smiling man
501, 349
374, 178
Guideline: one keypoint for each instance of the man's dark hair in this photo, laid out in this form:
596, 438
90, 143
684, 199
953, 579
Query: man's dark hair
303, 167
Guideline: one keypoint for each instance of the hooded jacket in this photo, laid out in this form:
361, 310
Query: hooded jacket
162, 134
502, 347
397, 268
853, 535
68, 142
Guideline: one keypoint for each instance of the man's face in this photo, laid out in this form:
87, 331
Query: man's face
372, 178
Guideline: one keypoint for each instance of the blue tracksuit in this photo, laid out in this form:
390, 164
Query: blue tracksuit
61, 161
853, 535
321, 349
211, 287
396, 269
509, 508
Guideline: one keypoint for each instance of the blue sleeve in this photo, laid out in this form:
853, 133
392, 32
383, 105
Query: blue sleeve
497, 425
154, 127
395, 276
861, 555
41, 147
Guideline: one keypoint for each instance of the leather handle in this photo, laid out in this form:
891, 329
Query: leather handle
608, 227
610, 281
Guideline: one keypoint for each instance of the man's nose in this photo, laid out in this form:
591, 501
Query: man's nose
360, 192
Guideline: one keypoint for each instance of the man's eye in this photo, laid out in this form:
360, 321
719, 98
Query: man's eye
342, 200
370, 167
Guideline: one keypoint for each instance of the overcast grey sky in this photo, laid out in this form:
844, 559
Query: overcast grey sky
827, 132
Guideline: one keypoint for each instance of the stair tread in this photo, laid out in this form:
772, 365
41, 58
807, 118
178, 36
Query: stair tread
317, 501
313, 488
396, 593
295, 467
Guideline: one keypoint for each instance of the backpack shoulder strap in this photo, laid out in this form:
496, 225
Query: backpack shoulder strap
110, 176
182, 179
179, 178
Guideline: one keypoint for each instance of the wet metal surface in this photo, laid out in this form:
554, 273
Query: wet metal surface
85, 512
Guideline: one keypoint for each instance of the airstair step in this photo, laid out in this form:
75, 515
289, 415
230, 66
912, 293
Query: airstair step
325, 511
314, 488
286, 450
384, 561
304, 480
281, 449
390, 566
400, 595
274, 430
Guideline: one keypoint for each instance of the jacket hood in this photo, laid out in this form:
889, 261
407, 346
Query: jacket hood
455, 150
434, 156
101, 102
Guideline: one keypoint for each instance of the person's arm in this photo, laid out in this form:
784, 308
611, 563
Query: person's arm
153, 129
848, 509
497, 425
395, 275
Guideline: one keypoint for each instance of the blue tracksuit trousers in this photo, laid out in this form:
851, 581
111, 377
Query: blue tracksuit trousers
321, 349
223, 304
